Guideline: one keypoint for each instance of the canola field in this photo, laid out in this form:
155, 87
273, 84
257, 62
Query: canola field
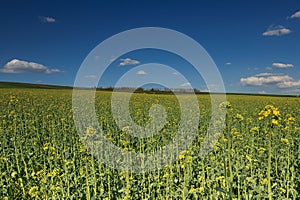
257, 156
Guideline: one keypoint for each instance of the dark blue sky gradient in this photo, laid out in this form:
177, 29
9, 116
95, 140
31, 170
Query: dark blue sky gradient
230, 31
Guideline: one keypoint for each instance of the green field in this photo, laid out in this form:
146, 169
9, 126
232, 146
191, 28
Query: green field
41, 156
31, 86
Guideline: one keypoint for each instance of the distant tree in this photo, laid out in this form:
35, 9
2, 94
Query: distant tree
110, 88
140, 89
196, 91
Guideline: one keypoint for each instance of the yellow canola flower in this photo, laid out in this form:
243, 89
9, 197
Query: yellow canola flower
90, 131
33, 191
189, 159
192, 191
254, 129
274, 121
264, 181
49, 174
167, 175
201, 189
276, 112
249, 158
285, 140
13, 100
261, 150
239, 117
220, 178
224, 139
181, 156
282, 190
272, 111
46, 146
267, 113
40, 172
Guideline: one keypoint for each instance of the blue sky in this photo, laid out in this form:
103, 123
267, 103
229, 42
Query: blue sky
255, 44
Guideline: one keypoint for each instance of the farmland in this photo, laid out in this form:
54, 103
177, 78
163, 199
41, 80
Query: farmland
42, 157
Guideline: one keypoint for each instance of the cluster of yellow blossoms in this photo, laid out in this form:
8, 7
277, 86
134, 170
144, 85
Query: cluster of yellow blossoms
185, 158
13, 100
90, 131
272, 111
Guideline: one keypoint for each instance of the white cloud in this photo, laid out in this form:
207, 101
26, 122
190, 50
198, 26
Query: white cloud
141, 72
264, 79
265, 74
54, 71
129, 61
228, 63
47, 19
187, 84
90, 76
296, 15
277, 31
20, 66
282, 65
281, 81
289, 84
269, 68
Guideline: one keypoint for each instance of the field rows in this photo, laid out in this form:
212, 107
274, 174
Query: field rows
41, 156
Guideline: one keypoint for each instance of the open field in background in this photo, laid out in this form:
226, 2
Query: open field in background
41, 156
31, 86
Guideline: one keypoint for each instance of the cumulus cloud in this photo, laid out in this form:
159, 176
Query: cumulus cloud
20, 66
277, 31
264, 79
296, 15
265, 74
47, 19
141, 72
187, 84
129, 61
289, 84
282, 65
279, 80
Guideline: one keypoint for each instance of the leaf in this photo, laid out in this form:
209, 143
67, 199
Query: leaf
221, 190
